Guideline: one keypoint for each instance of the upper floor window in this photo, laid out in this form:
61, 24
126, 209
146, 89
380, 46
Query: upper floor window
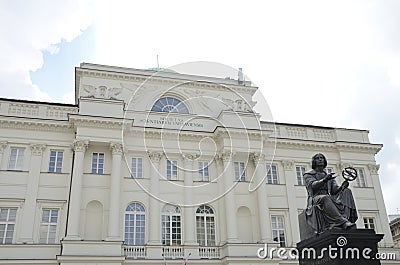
16, 161
56, 158
137, 167
171, 225
360, 180
240, 171
203, 171
170, 104
172, 170
299, 173
369, 223
135, 224
48, 227
272, 174
7, 224
205, 226
98, 163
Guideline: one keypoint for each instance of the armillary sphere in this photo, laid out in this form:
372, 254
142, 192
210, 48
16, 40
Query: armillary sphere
349, 173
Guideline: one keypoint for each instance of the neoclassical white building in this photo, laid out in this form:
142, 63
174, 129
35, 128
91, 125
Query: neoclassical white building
151, 164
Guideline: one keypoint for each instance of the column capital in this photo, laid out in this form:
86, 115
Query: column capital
3, 146
116, 148
37, 149
80, 145
373, 168
343, 165
154, 156
288, 164
226, 156
257, 157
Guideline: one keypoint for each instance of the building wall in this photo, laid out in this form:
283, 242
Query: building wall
113, 117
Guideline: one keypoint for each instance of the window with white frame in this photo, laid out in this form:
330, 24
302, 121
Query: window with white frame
171, 225
48, 226
203, 171
300, 170
98, 163
137, 167
7, 224
205, 226
240, 171
369, 223
56, 159
360, 180
135, 224
172, 170
16, 161
272, 174
278, 229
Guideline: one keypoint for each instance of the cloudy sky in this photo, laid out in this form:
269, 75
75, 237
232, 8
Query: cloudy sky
331, 63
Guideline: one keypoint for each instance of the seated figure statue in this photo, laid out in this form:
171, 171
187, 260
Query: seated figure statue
328, 205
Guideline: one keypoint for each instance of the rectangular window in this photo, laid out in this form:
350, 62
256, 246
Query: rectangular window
203, 171
16, 161
360, 180
171, 230
272, 174
240, 172
137, 167
278, 229
7, 225
369, 223
172, 170
299, 173
56, 158
328, 170
48, 226
98, 163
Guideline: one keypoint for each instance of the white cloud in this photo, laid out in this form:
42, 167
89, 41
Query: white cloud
28, 28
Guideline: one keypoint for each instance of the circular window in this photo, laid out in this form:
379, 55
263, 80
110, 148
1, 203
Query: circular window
170, 104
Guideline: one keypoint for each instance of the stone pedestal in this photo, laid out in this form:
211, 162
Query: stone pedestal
344, 247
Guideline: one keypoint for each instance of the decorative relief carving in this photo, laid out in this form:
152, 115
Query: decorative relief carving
37, 149
257, 158
226, 156
373, 168
343, 165
155, 157
296, 132
190, 157
288, 164
102, 91
323, 134
3, 146
116, 148
80, 145
21, 109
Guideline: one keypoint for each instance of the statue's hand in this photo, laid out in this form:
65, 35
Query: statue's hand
345, 184
329, 177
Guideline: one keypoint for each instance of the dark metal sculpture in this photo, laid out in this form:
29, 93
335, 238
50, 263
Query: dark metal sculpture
329, 205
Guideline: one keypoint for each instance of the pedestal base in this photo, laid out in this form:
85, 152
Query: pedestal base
344, 247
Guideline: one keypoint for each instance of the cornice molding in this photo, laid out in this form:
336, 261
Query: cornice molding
96, 122
34, 124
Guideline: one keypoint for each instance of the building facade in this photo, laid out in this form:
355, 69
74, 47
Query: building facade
153, 165
395, 228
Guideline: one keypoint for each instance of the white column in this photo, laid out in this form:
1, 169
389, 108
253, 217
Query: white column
290, 175
264, 216
79, 148
115, 191
27, 224
373, 169
154, 205
230, 205
3, 146
189, 211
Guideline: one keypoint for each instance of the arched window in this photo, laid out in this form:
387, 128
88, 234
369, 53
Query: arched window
171, 225
135, 224
170, 104
205, 224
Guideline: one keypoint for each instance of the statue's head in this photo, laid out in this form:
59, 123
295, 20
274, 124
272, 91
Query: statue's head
314, 160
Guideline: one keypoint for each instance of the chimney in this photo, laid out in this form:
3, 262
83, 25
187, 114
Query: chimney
240, 76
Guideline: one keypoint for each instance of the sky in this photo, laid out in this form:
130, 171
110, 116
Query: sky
328, 63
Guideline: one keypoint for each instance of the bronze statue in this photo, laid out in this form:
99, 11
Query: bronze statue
328, 205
